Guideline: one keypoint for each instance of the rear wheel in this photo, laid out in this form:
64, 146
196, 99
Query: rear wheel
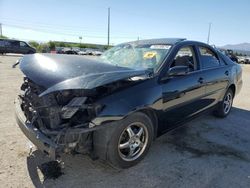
129, 141
225, 106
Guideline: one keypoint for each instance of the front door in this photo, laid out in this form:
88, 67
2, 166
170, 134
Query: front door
24, 48
182, 96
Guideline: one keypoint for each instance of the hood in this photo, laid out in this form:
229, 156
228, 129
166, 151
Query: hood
56, 72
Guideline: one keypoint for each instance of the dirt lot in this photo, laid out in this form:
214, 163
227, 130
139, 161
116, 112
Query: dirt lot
207, 152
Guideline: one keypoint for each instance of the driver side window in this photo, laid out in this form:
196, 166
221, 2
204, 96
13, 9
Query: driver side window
185, 57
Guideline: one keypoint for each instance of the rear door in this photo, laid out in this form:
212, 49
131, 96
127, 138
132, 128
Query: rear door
216, 74
14, 47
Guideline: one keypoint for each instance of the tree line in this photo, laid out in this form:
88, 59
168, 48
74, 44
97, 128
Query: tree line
51, 45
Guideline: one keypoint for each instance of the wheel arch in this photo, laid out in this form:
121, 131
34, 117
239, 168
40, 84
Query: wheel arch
233, 88
152, 116
101, 137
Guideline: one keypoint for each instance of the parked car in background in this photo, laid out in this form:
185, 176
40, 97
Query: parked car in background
89, 51
59, 50
81, 52
15, 46
230, 54
247, 60
69, 51
244, 59
97, 53
114, 106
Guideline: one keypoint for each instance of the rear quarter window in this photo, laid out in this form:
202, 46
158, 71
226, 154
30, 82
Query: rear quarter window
208, 58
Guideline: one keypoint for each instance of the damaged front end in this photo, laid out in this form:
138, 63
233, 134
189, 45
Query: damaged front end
61, 121
63, 117
58, 111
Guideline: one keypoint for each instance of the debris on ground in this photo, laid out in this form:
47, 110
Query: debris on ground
51, 170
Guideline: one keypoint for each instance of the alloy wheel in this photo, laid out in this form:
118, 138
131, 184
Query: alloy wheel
227, 103
133, 141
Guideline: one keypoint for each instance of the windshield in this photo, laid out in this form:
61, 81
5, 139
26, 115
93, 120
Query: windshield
148, 56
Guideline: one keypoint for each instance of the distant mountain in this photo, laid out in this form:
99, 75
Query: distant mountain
243, 48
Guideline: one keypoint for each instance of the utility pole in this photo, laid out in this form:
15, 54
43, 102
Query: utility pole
1, 32
80, 38
209, 29
108, 25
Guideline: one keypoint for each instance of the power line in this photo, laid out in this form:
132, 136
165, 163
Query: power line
69, 28
39, 24
51, 31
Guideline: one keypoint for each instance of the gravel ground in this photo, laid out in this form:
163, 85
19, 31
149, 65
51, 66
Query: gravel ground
206, 152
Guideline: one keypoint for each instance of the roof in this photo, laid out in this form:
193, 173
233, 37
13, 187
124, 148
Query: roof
158, 41
11, 40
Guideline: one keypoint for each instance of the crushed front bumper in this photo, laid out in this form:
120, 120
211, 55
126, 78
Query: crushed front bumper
41, 141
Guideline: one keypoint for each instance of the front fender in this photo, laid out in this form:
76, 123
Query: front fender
144, 95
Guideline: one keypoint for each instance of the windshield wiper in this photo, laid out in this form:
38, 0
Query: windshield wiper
149, 71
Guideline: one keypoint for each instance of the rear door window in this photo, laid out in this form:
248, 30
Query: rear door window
7, 44
208, 58
15, 43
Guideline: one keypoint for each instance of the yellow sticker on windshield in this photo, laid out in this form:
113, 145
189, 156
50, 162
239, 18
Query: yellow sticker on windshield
149, 55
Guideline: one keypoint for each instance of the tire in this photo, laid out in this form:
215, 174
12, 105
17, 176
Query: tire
126, 142
225, 106
30, 52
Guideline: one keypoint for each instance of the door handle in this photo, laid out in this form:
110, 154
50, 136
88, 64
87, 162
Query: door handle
201, 80
227, 73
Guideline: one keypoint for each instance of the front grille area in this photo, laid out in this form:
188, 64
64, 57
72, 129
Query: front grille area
47, 114
43, 112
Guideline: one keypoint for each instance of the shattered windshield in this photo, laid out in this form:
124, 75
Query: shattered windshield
148, 56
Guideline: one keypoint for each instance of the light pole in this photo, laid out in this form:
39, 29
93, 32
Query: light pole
1, 33
80, 38
209, 30
108, 25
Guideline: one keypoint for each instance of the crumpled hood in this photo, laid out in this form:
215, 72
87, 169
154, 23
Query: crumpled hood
61, 72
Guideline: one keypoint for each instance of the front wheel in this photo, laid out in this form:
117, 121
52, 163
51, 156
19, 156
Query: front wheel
129, 141
225, 106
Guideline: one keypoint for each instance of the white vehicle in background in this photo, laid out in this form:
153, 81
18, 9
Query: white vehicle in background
96, 53
82, 53
89, 51
244, 59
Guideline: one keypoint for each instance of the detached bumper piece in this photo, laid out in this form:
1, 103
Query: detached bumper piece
41, 141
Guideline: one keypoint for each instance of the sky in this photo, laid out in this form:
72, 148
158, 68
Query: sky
44, 20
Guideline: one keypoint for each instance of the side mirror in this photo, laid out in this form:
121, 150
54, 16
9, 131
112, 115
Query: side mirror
178, 71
